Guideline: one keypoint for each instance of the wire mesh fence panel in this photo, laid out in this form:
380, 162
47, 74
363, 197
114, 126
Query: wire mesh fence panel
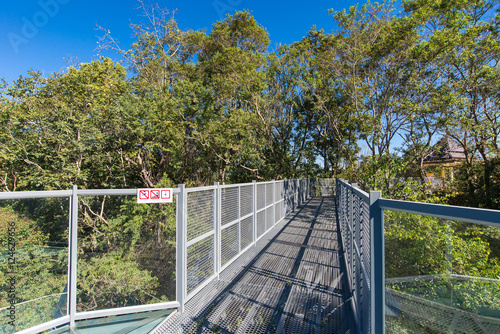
353, 213
229, 243
269, 193
325, 187
246, 232
200, 262
269, 217
261, 223
200, 213
33, 262
126, 253
441, 275
230, 204
246, 200
261, 196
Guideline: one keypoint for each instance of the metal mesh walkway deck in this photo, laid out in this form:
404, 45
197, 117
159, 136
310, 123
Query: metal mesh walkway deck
291, 282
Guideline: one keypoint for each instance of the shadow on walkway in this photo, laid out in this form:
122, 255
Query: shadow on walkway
291, 282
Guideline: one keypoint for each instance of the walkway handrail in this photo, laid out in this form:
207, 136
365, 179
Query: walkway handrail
361, 225
260, 206
350, 200
219, 223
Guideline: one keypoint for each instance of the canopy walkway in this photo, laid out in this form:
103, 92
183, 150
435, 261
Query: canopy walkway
291, 282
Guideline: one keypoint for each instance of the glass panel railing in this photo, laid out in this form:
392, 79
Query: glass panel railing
33, 262
441, 276
126, 253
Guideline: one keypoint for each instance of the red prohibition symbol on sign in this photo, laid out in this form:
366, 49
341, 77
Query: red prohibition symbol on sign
155, 194
144, 194
158, 195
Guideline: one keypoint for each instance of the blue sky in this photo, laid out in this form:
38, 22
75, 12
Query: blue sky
41, 34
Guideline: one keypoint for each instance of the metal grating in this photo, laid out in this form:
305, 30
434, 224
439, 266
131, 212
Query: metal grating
261, 223
246, 232
229, 243
200, 213
269, 194
246, 200
230, 201
355, 233
278, 191
261, 196
269, 218
200, 262
424, 316
293, 284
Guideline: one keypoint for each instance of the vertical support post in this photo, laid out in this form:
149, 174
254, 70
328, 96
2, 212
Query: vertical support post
73, 251
217, 226
354, 226
254, 200
181, 251
239, 219
265, 210
377, 256
274, 203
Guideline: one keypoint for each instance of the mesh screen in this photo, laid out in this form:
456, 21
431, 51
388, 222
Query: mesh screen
246, 232
229, 205
269, 193
246, 200
354, 223
278, 191
269, 217
407, 313
229, 243
277, 212
200, 262
261, 196
200, 213
261, 223
365, 236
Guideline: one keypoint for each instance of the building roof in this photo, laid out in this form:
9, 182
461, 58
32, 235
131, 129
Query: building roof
445, 150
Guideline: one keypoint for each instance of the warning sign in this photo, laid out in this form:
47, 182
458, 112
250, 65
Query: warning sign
154, 195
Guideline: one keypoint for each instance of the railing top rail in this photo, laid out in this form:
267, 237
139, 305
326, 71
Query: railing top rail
192, 190
360, 193
235, 185
35, 194
450, 212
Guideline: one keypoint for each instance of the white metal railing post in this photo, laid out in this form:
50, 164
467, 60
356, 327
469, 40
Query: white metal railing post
254, 200
274, 203
239, 219
73, 251
217, 226
377, 272
181, 251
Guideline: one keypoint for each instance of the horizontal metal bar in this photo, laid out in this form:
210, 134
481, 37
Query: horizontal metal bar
222, 186
106, 192
113, 192
450, 212
125, 310
200, 238
68, 193
193, 190
46, 325
360, 259
437, 276
236, 221
361, 194
35, 194
201, 286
